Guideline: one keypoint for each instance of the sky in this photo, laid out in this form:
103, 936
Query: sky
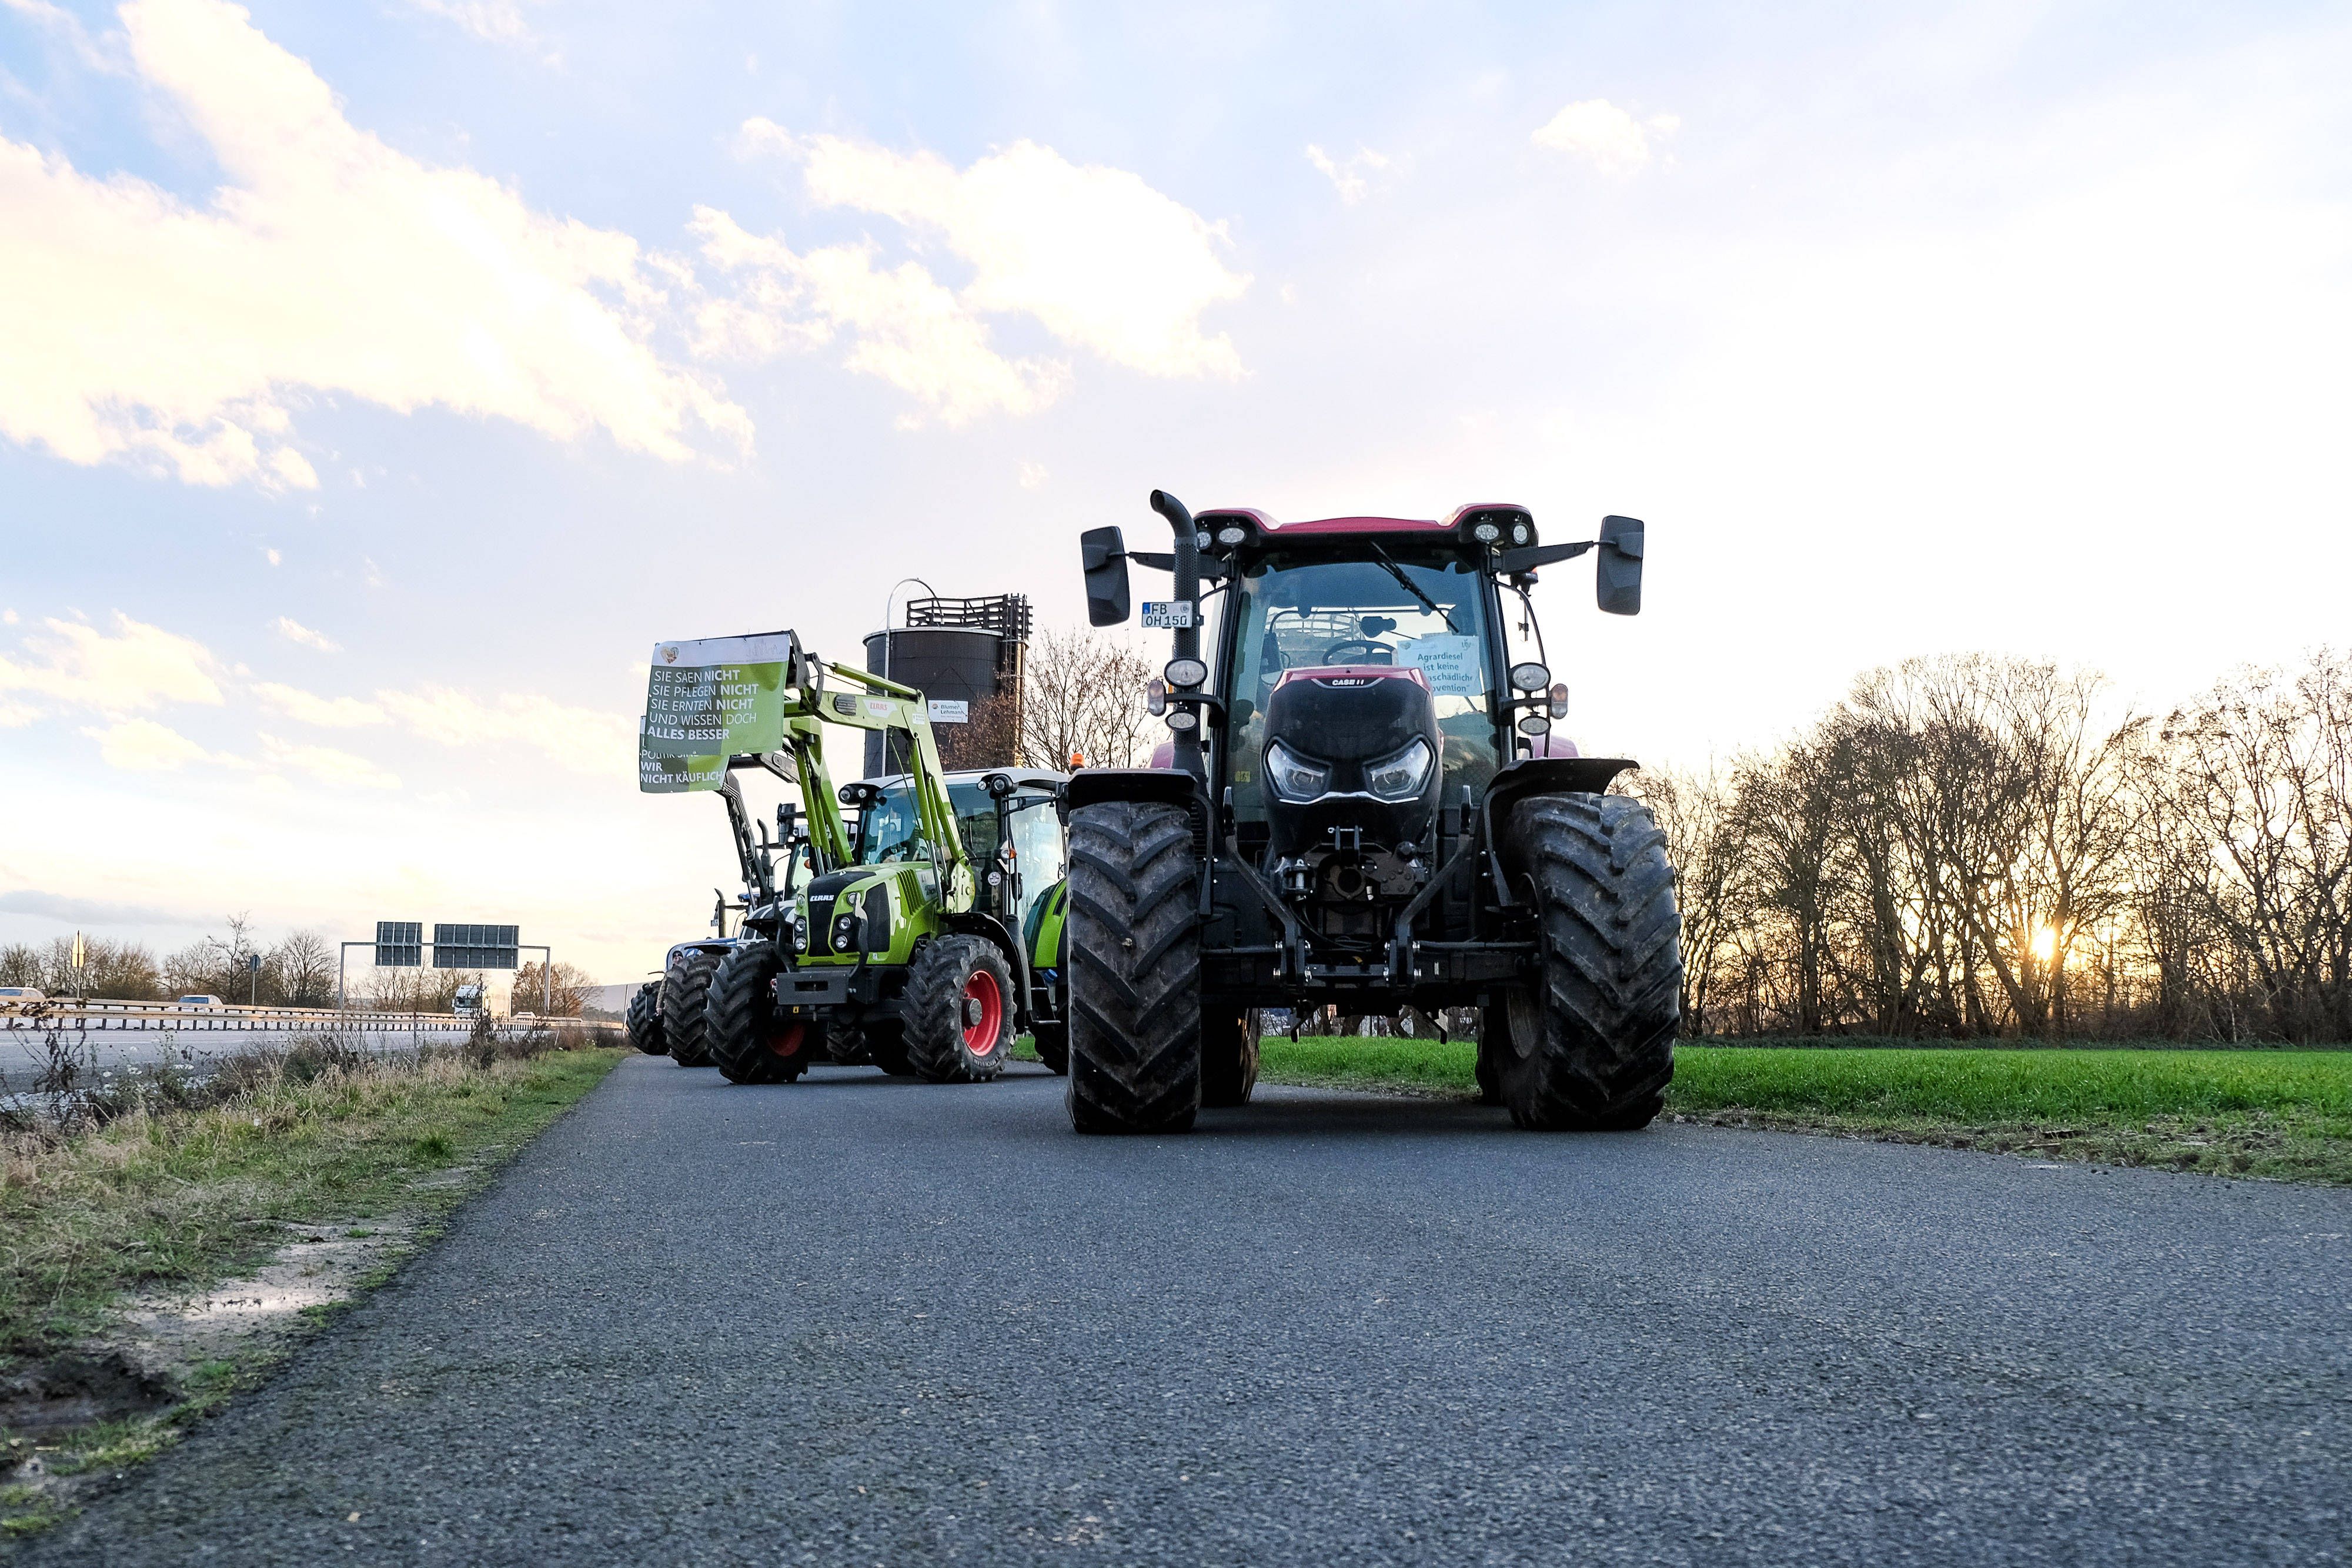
378, 382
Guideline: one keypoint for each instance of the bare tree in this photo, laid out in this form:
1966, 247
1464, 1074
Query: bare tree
559, 993
300, 970
1082, 702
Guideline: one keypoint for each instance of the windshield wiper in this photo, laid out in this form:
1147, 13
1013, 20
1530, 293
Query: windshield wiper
1414, 589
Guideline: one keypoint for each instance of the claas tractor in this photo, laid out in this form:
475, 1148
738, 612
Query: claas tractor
895, 931
1363, 804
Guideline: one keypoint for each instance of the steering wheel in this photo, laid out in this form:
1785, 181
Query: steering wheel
1331, 653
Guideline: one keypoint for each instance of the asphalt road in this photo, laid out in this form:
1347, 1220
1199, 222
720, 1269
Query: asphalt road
862, 1322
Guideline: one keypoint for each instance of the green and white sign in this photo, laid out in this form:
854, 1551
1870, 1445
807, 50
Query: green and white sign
709, 698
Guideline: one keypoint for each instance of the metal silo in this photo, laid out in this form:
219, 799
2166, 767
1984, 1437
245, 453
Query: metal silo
952, 650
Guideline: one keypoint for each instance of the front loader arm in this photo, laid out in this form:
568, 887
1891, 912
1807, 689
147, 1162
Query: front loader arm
894, 709
758, 872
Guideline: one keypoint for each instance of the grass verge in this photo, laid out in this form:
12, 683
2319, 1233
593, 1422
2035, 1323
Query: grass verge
179, 1201
2284, 1115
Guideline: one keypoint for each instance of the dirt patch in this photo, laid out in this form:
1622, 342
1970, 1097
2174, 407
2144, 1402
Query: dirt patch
241, 1319
66, 1393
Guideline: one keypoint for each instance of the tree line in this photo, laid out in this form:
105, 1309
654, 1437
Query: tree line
1976, 846
297, 971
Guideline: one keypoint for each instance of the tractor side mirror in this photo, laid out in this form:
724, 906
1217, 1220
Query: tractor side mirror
1617, 579
1103, 552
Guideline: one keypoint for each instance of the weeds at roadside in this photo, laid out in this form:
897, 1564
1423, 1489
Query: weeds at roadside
143, 1190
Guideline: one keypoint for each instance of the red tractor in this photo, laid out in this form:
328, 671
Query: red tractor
1364, 806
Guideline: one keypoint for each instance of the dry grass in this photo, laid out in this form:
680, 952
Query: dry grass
162, 1195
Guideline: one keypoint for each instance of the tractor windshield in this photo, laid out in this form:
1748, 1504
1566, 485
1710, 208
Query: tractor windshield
892, 829
1290, 615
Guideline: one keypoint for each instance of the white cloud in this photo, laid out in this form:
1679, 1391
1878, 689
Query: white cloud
1604, 135
271, 555
142, 746
1033, 474
497, 21
293, 631
327, 713
1099, 259
903, 326
137, 668
328, 263
581, 739
327, 765
1353, 178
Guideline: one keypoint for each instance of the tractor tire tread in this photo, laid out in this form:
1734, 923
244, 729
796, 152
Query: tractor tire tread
1134, 967
734, 1030
685, 995
644, 1020
1605, 1015
933, 1011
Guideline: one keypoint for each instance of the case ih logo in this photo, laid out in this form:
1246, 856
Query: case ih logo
1346, 681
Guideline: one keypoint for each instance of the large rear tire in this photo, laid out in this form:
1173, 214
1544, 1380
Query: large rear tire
958, 1010
878, 1042
1228, 1056
1592, 1044
644, 1020
747, 1041
1052, 1043
685, 995
1135, 970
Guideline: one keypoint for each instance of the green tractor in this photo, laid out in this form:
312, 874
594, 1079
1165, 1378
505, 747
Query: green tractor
906, 933
1363, 804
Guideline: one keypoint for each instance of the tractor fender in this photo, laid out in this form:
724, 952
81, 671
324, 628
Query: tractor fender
1165, 786
971, 923
1539, 776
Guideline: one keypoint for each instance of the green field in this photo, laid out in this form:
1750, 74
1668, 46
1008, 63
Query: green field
2277, 1113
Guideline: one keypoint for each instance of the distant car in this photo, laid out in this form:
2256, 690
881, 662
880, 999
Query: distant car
200, 1001
20, 994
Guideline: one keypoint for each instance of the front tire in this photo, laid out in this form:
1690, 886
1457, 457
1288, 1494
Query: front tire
1592, 1044
685, 1000
644, 1020
1135, 970
1228, 1056
958, 1010
747, 1042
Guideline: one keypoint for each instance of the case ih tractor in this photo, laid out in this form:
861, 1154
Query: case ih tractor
895, 936
1366, 808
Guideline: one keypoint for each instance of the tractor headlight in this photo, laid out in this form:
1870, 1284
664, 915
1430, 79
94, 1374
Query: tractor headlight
789, 934
845, 931
1401, 775
1231, 534
1487, 533
1183, 674
1519, 533
1294, 778
1181, 719
1529, 677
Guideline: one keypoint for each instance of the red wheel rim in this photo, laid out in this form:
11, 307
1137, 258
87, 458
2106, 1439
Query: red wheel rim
981, 1035
786, 1041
